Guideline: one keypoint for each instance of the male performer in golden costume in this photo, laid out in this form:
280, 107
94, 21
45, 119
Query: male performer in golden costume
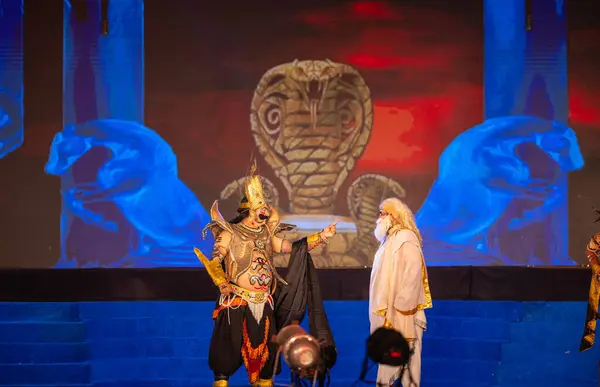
399, 290
255, 301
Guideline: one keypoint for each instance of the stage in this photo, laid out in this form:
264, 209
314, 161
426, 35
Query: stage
490, 326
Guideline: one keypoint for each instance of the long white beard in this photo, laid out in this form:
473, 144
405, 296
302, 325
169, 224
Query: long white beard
382, 228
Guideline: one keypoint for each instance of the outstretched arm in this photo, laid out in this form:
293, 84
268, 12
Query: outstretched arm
281, 245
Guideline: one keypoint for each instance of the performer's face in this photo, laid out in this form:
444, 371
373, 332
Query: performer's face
261, 216
382, 226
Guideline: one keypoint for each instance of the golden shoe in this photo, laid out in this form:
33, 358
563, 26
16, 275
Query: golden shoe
263, 383
221, 383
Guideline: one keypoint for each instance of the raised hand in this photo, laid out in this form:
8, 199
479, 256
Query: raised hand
329, 231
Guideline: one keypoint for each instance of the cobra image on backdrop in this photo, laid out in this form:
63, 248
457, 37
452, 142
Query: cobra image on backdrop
224, 194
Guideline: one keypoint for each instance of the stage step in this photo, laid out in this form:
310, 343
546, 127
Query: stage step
553, 312
38, 312
502, 310
498, 310
538, 333
208, 383
35, 374
50, 385
465, 348
43, 344
350, 327
33, 353
434, 369
348, 368
154, 368
437, 326
136, 309
544, 348
110, 348
41, 332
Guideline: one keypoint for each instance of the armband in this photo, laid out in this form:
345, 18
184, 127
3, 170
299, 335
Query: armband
314, 238
213, 268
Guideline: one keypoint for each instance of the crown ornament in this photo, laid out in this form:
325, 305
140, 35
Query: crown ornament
253, 190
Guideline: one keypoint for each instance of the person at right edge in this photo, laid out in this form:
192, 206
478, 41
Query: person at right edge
399, 289
592, 253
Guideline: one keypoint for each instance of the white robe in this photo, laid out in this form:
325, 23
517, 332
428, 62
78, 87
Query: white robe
399, 294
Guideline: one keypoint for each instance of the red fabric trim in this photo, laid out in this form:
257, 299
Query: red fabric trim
235, 303
255, 358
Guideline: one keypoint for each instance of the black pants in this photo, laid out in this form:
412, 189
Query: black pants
239, 339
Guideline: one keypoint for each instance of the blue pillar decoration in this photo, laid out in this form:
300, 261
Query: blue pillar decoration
11, 76
526, 75
103, 74
504, 57
547, 97
526, 70
122, 62
123, 202
545, 78
103, 78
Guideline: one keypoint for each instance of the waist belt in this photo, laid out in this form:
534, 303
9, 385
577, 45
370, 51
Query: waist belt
250, 296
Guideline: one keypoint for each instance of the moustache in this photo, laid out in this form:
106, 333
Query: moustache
263, 217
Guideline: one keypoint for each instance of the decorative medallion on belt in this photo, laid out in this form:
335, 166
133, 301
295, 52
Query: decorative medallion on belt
260, 244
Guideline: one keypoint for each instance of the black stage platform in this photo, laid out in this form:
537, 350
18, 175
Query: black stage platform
447, 283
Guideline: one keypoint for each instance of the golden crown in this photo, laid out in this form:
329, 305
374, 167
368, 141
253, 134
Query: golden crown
253, 190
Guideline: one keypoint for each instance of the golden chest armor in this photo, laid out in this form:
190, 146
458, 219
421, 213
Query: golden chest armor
246, 245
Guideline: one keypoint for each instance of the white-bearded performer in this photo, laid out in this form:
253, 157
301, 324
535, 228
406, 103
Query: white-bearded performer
399, 289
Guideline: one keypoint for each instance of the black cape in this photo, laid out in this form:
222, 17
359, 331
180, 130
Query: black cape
301, 292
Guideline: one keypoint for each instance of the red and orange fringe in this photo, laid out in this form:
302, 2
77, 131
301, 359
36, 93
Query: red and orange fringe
255, 358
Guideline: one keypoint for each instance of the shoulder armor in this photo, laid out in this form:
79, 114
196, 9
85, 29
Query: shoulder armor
218, 223
273, 224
